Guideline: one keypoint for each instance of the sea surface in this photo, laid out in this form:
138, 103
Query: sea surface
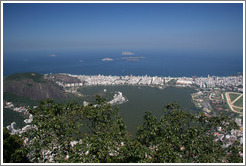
154, 63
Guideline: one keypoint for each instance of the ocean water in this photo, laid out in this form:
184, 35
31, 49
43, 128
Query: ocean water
154, 63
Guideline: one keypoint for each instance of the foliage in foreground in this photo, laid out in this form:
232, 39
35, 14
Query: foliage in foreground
101, 136
13, 149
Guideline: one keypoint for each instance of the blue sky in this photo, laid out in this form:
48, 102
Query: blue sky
181, 27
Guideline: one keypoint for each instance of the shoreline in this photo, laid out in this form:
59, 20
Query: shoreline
68, 80
151, 75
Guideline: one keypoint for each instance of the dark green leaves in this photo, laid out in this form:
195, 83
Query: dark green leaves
13, 149
101, 136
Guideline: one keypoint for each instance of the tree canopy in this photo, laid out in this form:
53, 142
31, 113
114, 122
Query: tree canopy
96, 133
13, 149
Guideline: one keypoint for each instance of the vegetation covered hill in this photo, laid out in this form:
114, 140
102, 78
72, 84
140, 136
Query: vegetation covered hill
96, 133
33, 86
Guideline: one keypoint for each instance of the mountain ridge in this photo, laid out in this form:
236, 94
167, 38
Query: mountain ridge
33, 85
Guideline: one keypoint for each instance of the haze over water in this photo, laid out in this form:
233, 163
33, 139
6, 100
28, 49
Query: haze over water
153, 64
171, 39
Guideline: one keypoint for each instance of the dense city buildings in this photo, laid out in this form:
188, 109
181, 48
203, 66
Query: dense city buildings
234, 83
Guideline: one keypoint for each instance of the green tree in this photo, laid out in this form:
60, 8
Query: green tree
101, 136
182, 137
13, 149
97, 127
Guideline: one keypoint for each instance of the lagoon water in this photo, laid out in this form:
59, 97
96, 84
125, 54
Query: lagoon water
142, 99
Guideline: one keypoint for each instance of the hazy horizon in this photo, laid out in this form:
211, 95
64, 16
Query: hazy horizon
195, 36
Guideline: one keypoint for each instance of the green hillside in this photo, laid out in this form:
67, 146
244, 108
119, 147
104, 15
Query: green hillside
36, 77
